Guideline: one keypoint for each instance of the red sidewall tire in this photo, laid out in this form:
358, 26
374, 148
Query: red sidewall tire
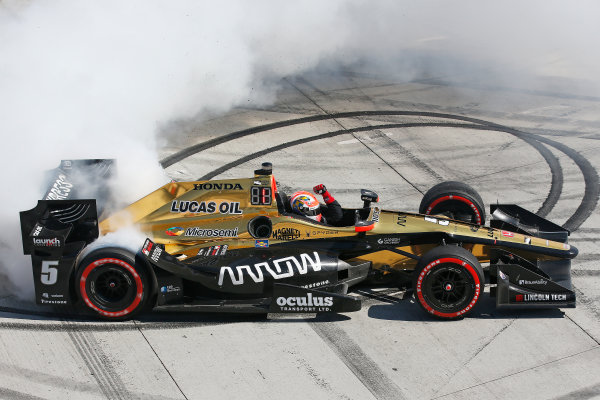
450, 258
104, 268
477, 213
448, 195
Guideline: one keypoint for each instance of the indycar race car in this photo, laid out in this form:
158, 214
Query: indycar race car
236, 246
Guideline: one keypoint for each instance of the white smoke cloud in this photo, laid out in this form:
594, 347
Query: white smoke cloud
91, 79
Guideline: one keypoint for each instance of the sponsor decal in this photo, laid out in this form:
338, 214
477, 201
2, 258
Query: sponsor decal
502, 275
316, 284
474, 228
52, 299
67, 164
533, 297
257, 183
279, 268
175, 231
527, 240
286, 234
217, 186
308, 303
60, 189
507, 234
54, 296
211, 207
376, 212
323, 232
401, 220
147, 247
38, 229
443, 222
44, 301
170, 289
388, 240
490, 232
566, 246
201, 232
54, 242
213, 250
261, 243
156, 254
536, 282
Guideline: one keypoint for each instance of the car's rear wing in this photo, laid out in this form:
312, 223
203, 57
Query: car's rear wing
61, 224
80, 179
54, 232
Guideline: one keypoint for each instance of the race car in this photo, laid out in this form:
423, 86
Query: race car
236, 246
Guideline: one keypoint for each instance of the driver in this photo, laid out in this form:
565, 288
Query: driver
306, 204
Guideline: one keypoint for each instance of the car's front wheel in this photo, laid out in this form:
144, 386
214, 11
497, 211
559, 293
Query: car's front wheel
109, 283
448, 282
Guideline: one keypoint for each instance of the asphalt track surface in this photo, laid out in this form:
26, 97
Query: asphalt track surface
538, 149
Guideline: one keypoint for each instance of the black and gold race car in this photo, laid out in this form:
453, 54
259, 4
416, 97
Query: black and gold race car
236, 246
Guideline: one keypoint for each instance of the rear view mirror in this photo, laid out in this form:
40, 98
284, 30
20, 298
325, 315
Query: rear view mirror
368, 196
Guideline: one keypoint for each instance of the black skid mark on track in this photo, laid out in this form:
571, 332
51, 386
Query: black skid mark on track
183, 154
361, 365
98, 364
592, 186
407, 154
16, 395
297, 142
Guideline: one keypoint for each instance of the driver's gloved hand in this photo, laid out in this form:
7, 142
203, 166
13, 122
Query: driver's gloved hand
322, 190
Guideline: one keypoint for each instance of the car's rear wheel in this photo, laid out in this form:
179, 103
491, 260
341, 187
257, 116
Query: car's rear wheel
454, 200
111, 285
448, 282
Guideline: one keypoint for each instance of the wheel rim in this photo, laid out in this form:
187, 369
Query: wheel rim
112, 287
455, 207
448, 287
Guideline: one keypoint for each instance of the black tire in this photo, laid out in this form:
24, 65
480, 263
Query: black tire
448, 282
111, 285
454, 200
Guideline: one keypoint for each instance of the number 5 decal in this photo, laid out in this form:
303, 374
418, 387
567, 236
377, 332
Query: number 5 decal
49, 273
